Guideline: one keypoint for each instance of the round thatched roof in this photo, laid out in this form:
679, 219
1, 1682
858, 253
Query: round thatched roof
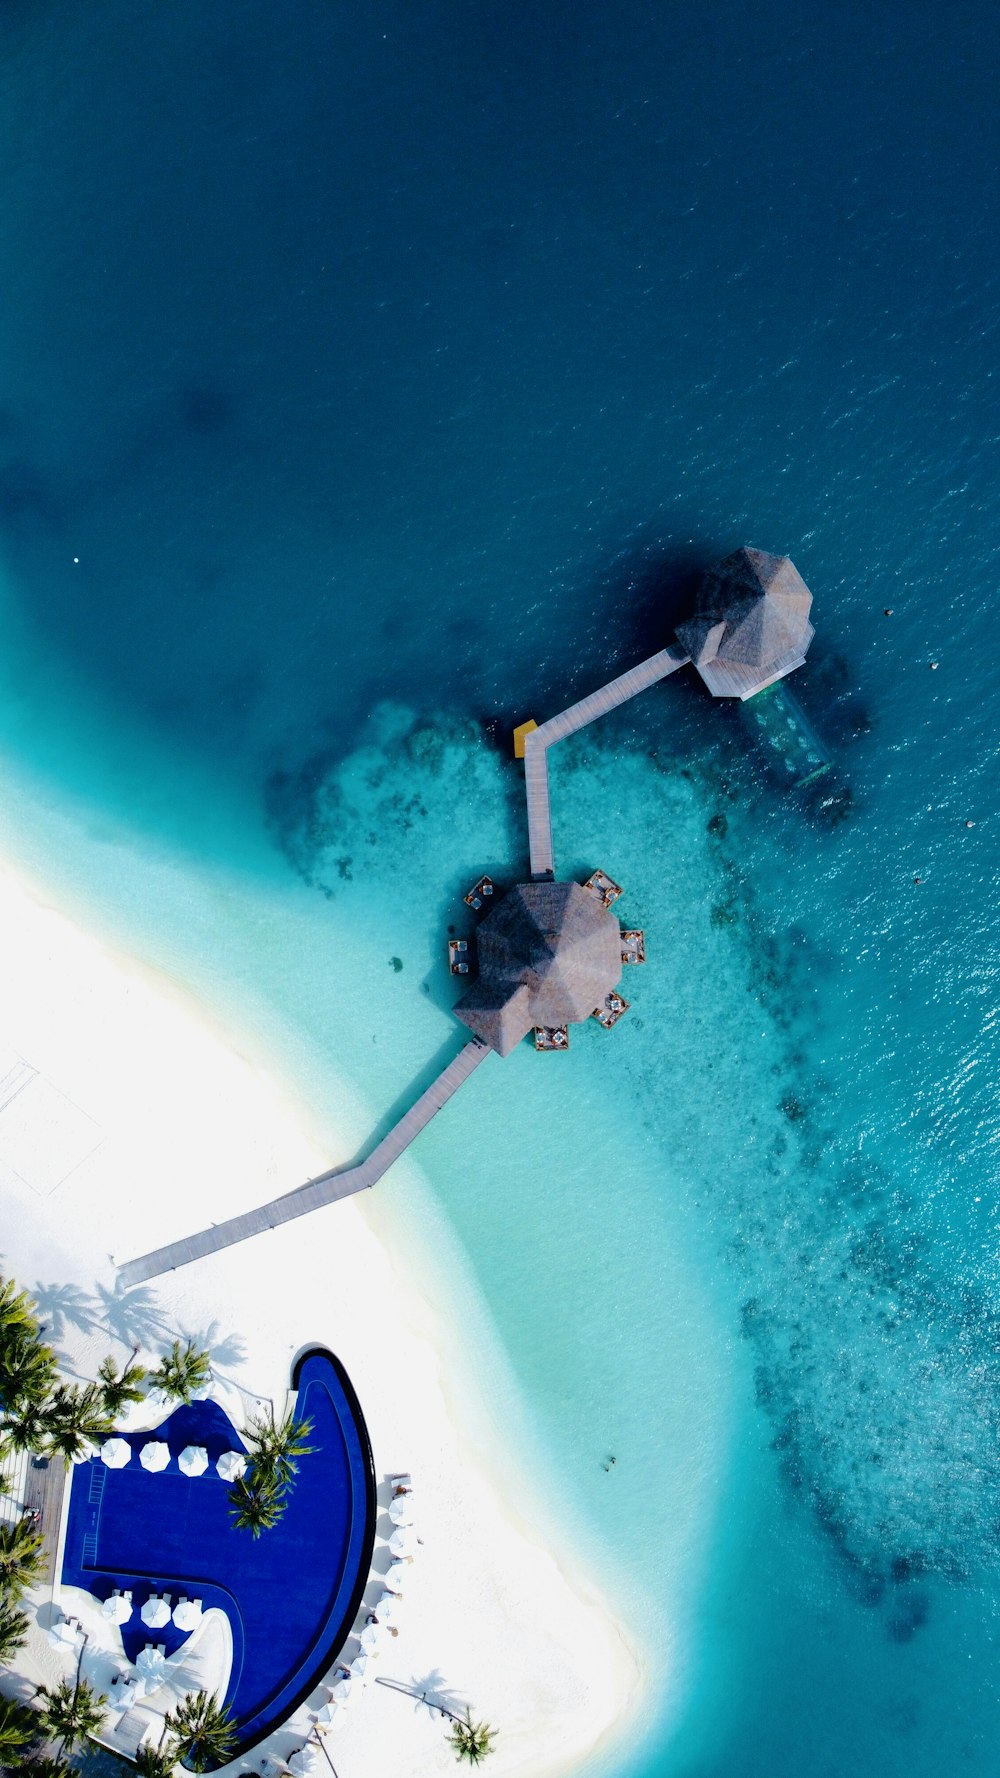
751, 623
548, 955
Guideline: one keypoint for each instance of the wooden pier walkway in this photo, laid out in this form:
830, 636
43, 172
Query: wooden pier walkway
340, 1182
44, 1493
577, 716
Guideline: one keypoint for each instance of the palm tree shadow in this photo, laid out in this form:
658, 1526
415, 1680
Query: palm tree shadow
65, 1305
435, 1693
132, 1316
225, 1349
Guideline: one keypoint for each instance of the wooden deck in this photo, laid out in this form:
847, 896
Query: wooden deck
577, 716
44, 1490
325, 1189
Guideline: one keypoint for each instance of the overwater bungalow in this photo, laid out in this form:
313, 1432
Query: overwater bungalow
750, 625
550, 955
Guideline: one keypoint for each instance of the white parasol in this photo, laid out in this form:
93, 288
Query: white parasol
116, 1452
149, 1659
308, 1762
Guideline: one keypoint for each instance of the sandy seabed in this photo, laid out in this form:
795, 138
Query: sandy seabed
130, 1118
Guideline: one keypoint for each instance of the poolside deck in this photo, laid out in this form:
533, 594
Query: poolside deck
44, 1493
576, 716
326, 1188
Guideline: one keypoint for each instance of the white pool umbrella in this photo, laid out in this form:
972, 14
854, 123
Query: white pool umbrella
193, 1460
154, 1614
371, 1638
155, 1456
308, 1762
64, 1634
187, 1615
231, 1465
121, 1696
401, 1510
150, 1663
387, 1608
403, 1542
359, 1666
116, 1452
336, 1704
117, 1609
396, 1577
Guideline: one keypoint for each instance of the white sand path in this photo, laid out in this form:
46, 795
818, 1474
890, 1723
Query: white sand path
146, 1123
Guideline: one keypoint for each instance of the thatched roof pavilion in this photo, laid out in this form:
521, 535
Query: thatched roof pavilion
750, 625
549, 953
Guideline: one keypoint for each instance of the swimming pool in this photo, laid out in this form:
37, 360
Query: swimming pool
291, 1595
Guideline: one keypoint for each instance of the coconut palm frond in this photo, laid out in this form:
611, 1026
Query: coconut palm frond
182, 1371
69, 1713
205, 1732
471, 1741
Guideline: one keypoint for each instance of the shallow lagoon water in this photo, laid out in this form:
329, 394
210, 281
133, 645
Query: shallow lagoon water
387, 383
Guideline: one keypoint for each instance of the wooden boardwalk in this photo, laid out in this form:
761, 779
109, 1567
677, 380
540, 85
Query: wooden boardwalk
44, 1492
577, 716
325, 1189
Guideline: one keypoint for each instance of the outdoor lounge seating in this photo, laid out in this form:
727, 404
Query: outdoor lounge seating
479, 893
611, 1011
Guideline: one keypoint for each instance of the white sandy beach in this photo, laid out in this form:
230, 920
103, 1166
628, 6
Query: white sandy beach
140, 1123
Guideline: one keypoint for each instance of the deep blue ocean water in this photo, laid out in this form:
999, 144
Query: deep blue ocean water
373, 378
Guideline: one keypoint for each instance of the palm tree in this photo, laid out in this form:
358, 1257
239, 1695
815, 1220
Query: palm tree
27, 1366
182, 1371
18, 1726
13, 1630
155, 1762
24, 1426
471, 1740
45, 1765
21, 1558
276, 1447
70, 1713
257, 1503
205, 1732
118, 1388
16, 1307
75, 1420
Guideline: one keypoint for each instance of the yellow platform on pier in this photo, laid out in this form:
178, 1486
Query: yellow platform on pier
520, 732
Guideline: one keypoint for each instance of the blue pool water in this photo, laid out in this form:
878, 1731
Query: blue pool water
371, 380
290, 1595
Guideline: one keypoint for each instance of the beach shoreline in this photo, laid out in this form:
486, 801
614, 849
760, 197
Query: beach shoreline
143, 1120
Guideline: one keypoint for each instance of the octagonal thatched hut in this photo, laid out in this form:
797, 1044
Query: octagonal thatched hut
548, 956
750, 625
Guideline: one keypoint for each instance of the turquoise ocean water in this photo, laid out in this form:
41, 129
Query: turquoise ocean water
373, 378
